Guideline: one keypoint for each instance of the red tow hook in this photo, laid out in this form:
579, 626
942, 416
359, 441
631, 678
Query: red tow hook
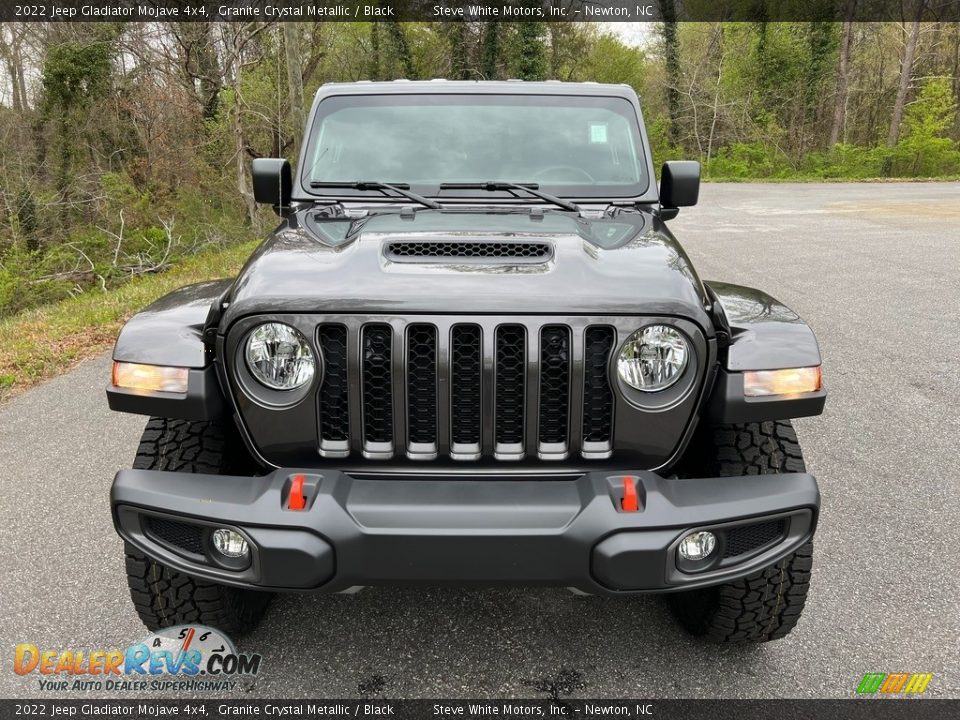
296, 501
630, 502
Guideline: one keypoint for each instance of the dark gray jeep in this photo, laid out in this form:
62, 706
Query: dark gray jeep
471, 353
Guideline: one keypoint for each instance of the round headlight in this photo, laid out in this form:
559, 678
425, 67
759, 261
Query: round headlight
279, 357
653, 358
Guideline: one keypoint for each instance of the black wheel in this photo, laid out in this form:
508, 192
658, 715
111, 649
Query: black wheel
165, 597
766, 604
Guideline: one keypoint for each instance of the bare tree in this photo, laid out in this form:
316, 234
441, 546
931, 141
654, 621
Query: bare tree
672, 60
906, 75
235, 38
11, 51
843, 76
291, 46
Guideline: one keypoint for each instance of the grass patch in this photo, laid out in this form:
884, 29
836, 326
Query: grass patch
43, 342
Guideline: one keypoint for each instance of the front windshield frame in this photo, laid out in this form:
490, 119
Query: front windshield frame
578, 192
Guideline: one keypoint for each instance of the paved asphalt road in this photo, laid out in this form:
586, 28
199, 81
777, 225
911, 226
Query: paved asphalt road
874, 268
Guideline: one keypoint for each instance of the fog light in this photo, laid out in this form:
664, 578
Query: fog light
230, 543
698, 545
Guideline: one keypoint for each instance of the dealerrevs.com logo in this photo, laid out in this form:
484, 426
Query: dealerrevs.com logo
894, 683
181, 658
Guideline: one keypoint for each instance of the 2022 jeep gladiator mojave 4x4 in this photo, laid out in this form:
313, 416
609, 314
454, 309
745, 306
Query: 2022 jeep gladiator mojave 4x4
471, 353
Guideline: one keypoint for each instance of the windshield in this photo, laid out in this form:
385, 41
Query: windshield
585, 146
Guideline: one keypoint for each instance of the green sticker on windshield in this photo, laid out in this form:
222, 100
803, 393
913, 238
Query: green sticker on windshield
598, 132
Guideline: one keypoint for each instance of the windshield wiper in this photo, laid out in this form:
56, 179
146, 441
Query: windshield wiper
532, 188
399, 188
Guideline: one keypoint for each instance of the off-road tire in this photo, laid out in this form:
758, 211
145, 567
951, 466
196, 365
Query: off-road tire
766, 604
162, 596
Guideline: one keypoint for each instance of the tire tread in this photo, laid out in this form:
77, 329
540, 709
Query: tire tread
164, 597
766, 604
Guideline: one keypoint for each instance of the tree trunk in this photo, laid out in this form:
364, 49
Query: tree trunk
906, 75
374, 51
403, 49
956, 59
822, 40
20, 78
459, 55
240, 162
291, 46
843, 78
716, 93
491, 50
200, 64
13, 59
234, 65
668, 12
15, 100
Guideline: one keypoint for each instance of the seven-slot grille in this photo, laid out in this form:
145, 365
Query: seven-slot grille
464, 390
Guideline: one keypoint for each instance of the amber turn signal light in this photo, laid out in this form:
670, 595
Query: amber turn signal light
154, 378
792, 381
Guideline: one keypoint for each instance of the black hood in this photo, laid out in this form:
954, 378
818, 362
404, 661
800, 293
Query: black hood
622, 264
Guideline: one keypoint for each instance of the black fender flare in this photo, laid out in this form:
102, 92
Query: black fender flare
170, 332
763, 334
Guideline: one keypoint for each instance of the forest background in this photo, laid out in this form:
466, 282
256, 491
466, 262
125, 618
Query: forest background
125, 148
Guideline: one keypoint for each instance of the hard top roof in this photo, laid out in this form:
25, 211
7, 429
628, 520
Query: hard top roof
492, 87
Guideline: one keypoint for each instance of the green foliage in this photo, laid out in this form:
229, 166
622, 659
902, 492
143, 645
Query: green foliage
846, 162
398, 37
76, 74
142, 235
745, 160
610, 61
923, 148
131, 159
25, 219
531, 60
658, 133
912, 158
491, 52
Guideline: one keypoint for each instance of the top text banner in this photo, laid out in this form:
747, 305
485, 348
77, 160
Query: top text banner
480, 11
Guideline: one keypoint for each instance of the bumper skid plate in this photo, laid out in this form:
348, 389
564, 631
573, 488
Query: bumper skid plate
572, 531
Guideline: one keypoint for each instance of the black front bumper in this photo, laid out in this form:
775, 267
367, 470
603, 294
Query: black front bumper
465, 529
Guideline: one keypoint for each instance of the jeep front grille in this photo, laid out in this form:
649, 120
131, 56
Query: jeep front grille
597, 395
509, 385
554, 389
334, 392
466, 369
465, 390
422, 388
377, 372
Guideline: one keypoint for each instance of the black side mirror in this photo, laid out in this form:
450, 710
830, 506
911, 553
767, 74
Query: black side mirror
272, 184
679, 186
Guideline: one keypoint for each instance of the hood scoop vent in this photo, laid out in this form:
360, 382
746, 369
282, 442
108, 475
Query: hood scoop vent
509, 252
